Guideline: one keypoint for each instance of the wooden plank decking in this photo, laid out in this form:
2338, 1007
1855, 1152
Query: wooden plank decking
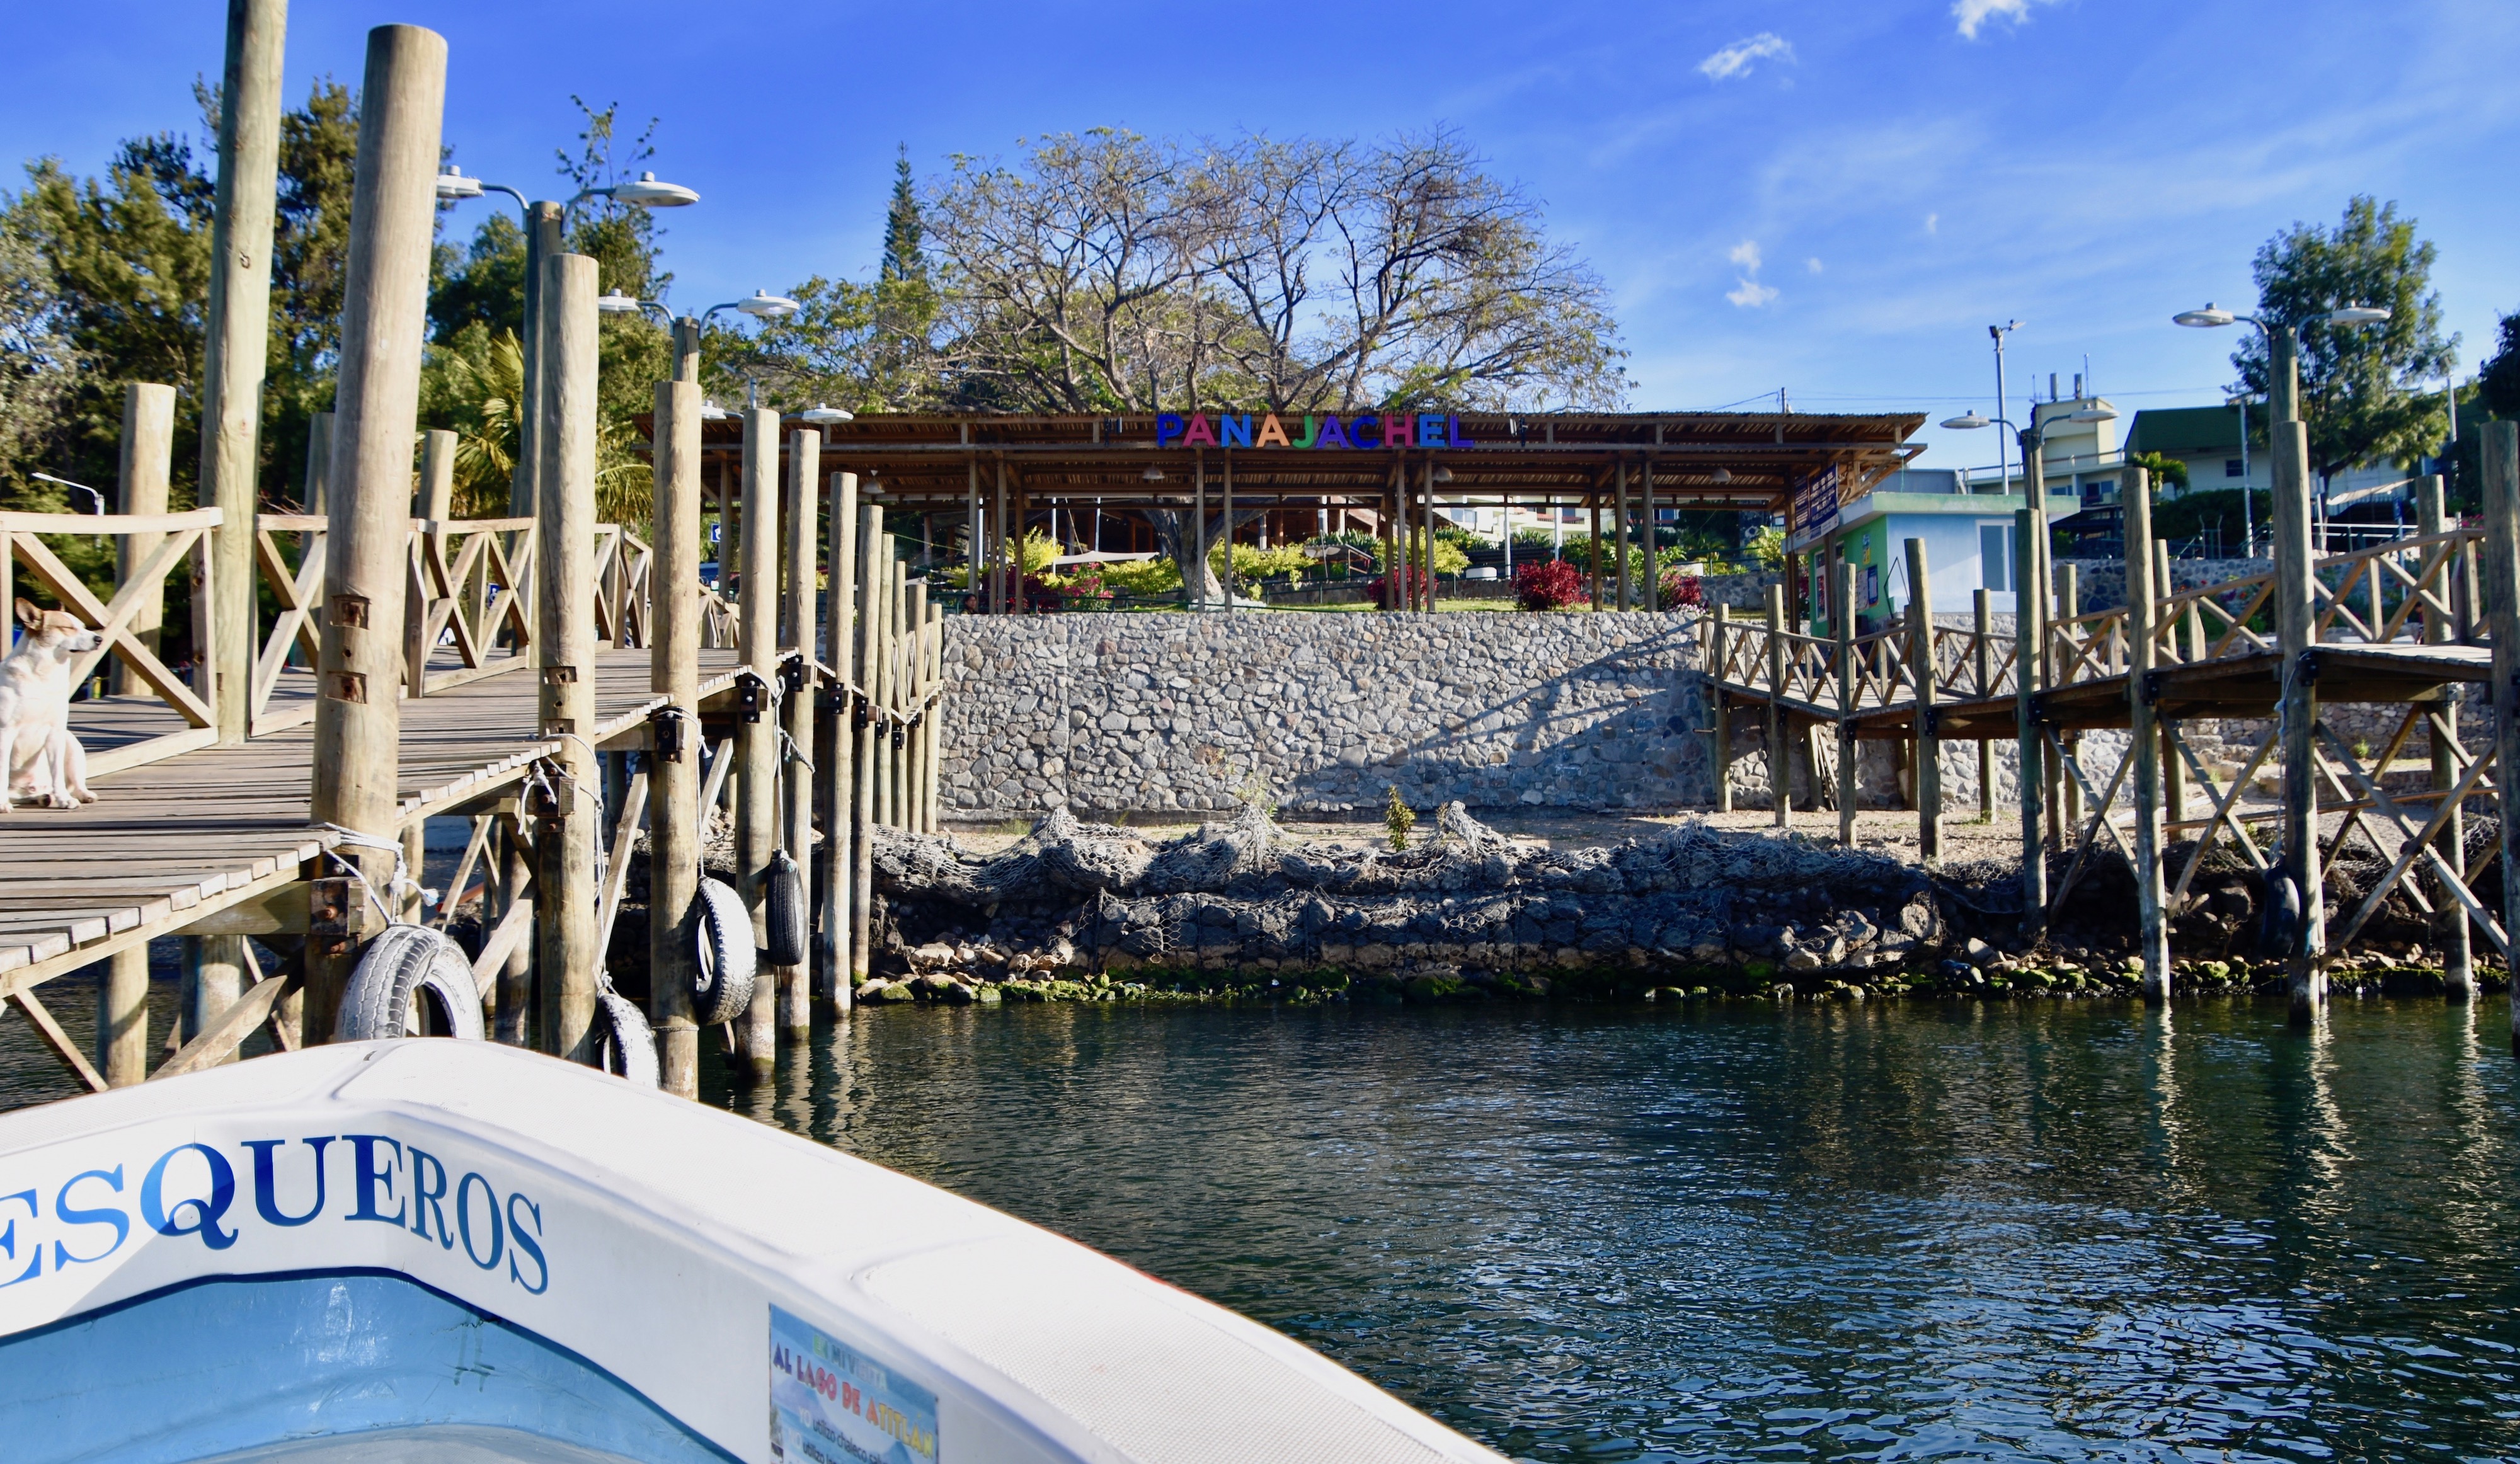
176, 839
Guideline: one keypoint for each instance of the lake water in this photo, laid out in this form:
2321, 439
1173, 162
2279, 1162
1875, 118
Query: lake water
1894, 1230
1883, 1231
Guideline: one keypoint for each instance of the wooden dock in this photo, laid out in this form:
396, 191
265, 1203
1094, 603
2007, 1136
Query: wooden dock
174, 841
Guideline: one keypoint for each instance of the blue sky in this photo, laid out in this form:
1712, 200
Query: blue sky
1832, 199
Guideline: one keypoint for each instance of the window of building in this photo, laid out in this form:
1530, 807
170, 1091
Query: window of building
2230, 467
1994, 555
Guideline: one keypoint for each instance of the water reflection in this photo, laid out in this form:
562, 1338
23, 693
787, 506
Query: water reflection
1887, 1231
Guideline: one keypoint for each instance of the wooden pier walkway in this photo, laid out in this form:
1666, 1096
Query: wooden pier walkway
2395, 625
179, 839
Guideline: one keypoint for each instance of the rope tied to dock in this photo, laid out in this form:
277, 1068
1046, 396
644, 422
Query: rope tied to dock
400, 884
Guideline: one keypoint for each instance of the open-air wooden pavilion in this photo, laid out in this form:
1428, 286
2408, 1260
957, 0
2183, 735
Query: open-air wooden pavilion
996, 475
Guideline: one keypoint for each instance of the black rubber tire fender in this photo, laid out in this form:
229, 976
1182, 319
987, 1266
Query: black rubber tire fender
625, 1044
784, 909
725, 962
2279, 923
409, 973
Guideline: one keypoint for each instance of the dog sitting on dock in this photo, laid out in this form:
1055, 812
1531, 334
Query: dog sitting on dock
40, 757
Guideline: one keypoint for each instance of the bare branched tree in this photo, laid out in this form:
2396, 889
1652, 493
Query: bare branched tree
1113, 273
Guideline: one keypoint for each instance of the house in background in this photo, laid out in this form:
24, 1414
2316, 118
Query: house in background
1968, 531
2205, 438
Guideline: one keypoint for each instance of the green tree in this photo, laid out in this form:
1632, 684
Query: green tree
2169, 475
2360, 384
2498, 381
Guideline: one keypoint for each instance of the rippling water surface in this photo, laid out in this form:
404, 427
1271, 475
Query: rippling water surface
1890, 1231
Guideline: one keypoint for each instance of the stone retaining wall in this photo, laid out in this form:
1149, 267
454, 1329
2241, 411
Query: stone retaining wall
1109, 712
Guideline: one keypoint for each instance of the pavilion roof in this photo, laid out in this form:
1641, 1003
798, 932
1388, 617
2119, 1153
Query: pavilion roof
1742, 459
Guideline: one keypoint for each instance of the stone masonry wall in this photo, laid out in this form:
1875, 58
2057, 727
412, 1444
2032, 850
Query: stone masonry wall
1148, 713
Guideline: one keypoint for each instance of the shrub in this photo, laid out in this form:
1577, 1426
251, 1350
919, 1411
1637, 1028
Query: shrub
1143, 577
1398, 818
1411, 578
1678, 589
1547, 585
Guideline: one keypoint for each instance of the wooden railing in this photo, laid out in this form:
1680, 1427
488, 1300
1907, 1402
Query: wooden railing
2393, 593
186, 541
469, 610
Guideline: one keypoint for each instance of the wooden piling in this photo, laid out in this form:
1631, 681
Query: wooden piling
2297, 715
2450, 925
756, 745
2142, 605
148, 454
1719, 648
572, 818
1619, 539
1651, 592
2027, 657
932, 727
838, 786
2174, 773
515, 979
2064, 795
393, 216
674, 829
1593, 543
1000, 599
798, 633
237, 327
2500, 565
910, 800
873, 563
123, 1018
1842, 621
1921, 676
1781, 763
1982, 602
216, 978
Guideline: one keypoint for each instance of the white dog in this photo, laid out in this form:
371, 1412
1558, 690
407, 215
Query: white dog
40, 757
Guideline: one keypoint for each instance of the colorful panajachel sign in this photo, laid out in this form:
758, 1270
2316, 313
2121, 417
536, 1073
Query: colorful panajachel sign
1368, 430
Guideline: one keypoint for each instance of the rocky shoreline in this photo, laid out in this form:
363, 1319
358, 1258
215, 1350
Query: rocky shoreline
1233, 911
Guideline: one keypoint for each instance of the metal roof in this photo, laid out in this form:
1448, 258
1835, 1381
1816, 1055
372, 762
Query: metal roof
934, 461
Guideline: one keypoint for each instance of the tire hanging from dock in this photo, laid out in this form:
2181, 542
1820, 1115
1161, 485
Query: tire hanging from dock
725, 963
404, 975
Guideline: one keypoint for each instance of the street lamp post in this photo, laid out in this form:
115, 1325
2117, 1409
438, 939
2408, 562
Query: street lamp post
544, 222
2288, 440
2002, 403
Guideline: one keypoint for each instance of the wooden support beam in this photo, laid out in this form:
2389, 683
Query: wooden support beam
237, 327
838, 784
678, 822
220, 1037
1781, 765
393, 223
54, 1037
2144, 594
148, 456
1842, 621
1983, 687
875, 565
1719, 648
756, 817
1921, 680
625, 839
802, 514
2499, 570
2028, 655
2449, 933
570, 825
2297, 715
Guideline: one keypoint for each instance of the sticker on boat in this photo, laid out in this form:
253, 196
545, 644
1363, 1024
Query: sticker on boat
831, 1403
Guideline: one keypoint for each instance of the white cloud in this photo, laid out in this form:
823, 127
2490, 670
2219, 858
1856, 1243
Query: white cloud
1975, 14
1746, 255
1751, 295
1812, 264
1736, 58
1933, 223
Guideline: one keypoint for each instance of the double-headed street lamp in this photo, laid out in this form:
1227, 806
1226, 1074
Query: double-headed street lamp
2284, 371
762, 304
544, 221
